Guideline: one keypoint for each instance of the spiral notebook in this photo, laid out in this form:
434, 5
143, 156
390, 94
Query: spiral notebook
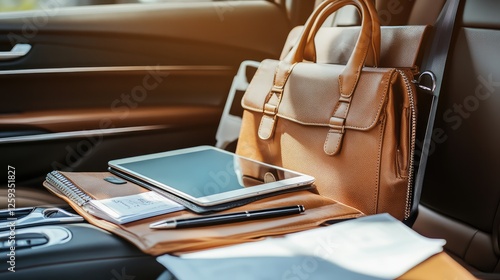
119, 210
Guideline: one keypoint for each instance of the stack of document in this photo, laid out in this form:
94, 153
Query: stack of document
373, 247
125, 209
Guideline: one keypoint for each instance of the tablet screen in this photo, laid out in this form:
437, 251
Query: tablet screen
206, 172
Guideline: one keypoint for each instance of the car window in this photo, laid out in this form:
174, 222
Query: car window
25, 5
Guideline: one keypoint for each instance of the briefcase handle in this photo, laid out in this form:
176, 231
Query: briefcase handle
372, 60
368, 39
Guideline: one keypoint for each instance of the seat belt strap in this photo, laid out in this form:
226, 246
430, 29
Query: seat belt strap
434, 64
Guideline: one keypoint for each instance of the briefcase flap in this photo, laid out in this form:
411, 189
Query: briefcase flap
312, 92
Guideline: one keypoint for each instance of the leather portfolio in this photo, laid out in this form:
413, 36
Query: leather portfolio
156, 242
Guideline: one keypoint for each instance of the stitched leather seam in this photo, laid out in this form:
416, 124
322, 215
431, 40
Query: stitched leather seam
338, 143
377, 182
260, 127
268, 99
358, 72
382, 101
251, 86
336, 107
258, 110
326, 142
287, 74
467, 248
385, 81
330, 153
340, 83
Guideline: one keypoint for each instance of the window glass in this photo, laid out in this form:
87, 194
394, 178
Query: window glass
24, 5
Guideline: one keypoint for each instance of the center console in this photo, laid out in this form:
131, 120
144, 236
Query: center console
64, 249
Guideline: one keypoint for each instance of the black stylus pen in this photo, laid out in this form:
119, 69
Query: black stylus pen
228, 218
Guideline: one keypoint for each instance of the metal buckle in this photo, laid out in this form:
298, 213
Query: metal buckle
429, 89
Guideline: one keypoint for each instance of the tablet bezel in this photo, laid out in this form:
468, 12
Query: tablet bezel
215, 199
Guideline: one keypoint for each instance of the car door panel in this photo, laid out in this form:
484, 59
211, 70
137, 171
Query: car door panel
114, 81
186, 33
113, 88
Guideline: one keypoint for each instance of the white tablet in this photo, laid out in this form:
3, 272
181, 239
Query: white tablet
209, 176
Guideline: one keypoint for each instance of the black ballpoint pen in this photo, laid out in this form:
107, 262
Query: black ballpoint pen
228, 218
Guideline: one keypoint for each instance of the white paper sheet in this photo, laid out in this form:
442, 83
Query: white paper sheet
373, 247
130, 208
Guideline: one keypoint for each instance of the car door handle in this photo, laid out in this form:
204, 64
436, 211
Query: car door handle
19, 50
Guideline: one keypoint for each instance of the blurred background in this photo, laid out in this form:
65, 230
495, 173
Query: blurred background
23, 5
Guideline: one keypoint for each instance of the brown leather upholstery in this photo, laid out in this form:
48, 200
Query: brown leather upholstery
461, 193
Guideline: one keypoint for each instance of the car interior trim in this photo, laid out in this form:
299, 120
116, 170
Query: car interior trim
174, 69
170, 20
101, 118
80, 134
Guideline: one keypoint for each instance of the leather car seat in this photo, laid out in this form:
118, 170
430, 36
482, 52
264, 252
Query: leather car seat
461, 194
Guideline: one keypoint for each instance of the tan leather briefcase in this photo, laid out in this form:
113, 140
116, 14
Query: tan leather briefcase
350, 126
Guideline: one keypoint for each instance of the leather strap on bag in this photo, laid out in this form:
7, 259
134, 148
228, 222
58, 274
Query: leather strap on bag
335, 134
373, 57
435, 63
349, 78
368, 41
268, 121
273, 100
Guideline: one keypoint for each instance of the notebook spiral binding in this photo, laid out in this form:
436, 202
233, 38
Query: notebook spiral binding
69, 189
